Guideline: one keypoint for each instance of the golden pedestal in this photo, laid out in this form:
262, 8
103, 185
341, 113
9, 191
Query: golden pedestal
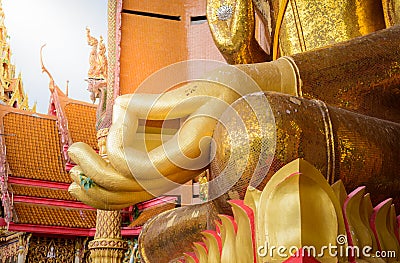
107, 246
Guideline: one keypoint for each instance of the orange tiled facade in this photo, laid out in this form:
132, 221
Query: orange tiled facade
82, 123
157, 33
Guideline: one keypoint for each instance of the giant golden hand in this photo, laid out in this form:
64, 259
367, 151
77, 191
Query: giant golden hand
325, 74
134, 173
232, 27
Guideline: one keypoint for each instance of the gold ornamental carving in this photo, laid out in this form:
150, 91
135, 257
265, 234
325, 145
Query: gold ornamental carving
98, 58
51, 250
107, 250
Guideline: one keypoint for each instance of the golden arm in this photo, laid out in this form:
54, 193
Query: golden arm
131, 172
232, 27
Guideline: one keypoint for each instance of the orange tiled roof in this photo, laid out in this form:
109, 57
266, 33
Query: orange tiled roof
35, 191
82, 123
34, 147
54, 216
34, 151
150, 212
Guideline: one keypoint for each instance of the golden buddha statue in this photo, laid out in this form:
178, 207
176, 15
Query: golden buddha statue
115, 183
293, 26
340, 113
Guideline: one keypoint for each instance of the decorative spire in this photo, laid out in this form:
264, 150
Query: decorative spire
97, 75
97, 59
102, 60
11, 87
93, 42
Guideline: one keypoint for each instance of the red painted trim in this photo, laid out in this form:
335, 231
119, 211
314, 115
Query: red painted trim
69, 166
118, 36
5, 196
51, 202
57, 230
40, 183
68, 231
157, 201
128, 231
372, 220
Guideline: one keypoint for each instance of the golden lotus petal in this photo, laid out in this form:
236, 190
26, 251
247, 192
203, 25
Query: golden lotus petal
228, 236
245, 243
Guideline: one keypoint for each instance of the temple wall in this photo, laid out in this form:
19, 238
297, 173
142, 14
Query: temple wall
48, 249
158, 33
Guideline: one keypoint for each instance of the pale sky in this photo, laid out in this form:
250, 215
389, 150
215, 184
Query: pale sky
61, 25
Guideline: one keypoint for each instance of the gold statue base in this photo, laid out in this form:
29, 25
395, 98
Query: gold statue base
107, 250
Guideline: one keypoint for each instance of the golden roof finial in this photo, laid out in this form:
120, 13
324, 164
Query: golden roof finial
67, 88
97, 59
102, 60
44, 69
34, 106
93, 54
